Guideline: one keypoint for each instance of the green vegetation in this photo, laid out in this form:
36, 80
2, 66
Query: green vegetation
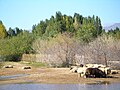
34, 64
1, 64
37, 64
60, 31
83, 28
115, 33
11, 48
3, 32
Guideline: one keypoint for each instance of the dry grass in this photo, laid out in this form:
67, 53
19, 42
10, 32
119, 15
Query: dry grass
49, 75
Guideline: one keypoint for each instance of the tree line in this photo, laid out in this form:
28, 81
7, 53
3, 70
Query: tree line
79, 29
84, 28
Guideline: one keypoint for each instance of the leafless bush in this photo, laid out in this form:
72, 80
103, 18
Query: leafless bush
104, 49
64, 50
63, 47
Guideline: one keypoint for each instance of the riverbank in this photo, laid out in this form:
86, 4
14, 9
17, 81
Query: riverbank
49, 75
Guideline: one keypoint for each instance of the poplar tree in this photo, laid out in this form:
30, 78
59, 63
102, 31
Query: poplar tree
3, 32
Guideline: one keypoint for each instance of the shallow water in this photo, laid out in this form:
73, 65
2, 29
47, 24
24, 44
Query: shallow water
12, 76
33, 86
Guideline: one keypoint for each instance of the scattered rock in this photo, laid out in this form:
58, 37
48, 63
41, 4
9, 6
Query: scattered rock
26, 67
8, 66
114, 72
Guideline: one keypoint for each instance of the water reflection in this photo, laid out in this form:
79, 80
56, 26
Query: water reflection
115, 86
100, 83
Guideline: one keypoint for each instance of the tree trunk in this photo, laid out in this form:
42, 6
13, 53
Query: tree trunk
105, 58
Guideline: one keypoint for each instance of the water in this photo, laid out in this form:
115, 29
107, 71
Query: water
12, 76
33, 86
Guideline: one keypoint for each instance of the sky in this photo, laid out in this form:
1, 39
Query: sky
25, 13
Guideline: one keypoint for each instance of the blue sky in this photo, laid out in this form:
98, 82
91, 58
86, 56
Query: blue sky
25, 13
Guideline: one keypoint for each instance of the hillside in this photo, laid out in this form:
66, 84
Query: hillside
112, 26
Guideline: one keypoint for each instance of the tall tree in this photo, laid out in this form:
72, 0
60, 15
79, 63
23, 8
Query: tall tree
3, 32
58, 16
98, 26
18, 31
11, 32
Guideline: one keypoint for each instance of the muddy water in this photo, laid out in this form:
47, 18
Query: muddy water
33, 86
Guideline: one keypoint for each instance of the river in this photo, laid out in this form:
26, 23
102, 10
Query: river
36, 86
100, 85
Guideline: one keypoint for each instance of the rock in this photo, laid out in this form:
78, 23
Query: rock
114, 72
8, 66
26, 67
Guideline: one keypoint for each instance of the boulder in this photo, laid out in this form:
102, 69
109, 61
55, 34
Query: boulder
26, 67
8, 66
114, 71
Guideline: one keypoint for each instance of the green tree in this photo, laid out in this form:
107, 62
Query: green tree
115, 33
39, 29
18, 31
76, 22
98, 26
90, 26
85, 32
58, 16
12, 48
3, 32
11, 32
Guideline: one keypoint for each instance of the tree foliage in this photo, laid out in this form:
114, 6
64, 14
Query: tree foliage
61, 35
81, 27
12, 48
3, 32
115, 33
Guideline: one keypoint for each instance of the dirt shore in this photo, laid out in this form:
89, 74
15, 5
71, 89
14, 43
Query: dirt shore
49, 75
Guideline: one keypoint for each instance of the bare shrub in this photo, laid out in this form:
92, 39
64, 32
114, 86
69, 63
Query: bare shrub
104, 49
62, 48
